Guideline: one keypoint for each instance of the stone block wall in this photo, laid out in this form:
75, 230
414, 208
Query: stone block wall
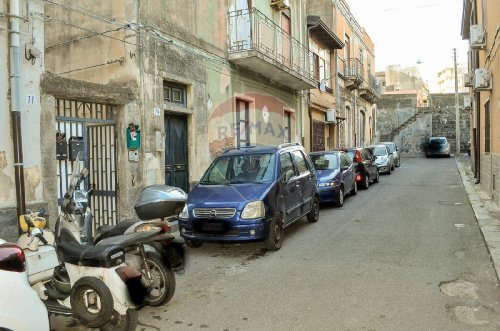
436, 120
490, 170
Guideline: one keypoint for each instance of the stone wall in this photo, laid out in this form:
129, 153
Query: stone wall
490, 181
399, 119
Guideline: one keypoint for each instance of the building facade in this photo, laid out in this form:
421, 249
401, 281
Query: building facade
149, 92
446, 79
354, 84
21, 114
480, 25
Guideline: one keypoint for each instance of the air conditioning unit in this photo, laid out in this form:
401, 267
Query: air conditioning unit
331, 116
477, 36
467, 102
468, 80
482, 79
280, 4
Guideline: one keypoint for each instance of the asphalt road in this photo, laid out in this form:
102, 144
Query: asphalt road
406, 254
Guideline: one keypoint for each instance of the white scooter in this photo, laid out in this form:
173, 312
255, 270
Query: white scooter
138, 238
93, 283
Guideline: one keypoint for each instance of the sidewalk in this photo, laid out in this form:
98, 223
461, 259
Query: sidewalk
486, 211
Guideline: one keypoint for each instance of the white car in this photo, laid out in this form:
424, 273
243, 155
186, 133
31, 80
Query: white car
20, 307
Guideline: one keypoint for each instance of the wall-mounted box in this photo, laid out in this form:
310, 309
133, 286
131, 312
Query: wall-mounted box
62, 150
76, 146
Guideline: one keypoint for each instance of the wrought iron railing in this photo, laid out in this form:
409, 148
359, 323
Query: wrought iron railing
351, 67
374, 84
251, 30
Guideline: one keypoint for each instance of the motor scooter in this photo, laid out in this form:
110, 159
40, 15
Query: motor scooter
92, 283
158, 276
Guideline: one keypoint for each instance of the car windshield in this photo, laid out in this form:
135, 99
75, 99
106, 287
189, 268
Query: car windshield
239, 169
438, 141
325, 161
379, 151
351, 154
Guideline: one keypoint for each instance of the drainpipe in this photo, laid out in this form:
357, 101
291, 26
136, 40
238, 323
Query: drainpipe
15, 107
309, 94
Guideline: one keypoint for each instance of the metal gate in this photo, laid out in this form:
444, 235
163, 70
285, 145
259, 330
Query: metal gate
90, 128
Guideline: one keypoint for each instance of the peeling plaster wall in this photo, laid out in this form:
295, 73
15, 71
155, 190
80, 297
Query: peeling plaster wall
32, 34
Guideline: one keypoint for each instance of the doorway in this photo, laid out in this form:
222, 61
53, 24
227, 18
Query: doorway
176, 151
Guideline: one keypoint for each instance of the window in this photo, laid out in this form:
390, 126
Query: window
300, 162
174, 93
487, 139
287, 125
285, 163
242, 123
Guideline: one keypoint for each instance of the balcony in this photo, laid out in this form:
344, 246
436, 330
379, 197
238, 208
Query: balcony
352, 72
371, 90
256, 43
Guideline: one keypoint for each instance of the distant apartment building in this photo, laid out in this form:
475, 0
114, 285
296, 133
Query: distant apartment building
480, 25
446, 79
398, 80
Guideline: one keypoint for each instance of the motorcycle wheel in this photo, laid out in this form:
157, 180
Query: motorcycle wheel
127, 322
162, 286
91, 302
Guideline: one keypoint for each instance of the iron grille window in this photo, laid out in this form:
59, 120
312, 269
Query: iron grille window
174, 93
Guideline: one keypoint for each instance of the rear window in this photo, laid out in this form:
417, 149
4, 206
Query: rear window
438, 141
379, 151
325, 161
391, 147
351, 154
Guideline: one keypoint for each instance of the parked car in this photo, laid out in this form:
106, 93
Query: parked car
335, 173
383, 159
393, 149
366, 170
251, 194
437, 146
20, 306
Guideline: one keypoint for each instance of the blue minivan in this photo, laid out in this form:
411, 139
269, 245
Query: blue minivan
251, 194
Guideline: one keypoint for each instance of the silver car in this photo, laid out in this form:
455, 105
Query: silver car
394, 150
383, 159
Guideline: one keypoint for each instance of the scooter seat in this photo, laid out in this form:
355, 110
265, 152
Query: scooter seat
91, 256
106, 231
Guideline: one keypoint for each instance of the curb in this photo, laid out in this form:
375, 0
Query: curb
482, 206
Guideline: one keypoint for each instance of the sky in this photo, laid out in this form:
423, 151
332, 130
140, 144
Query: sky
406, 32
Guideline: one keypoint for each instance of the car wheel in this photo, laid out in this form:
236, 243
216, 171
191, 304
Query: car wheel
377, 177
313, 215
354, 190
340, 199
274, 238
193, 243
366, 182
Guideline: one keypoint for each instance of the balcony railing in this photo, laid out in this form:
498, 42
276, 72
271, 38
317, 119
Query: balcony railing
352, 71
371, 90
252, 34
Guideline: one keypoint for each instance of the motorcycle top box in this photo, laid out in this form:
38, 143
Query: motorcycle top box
160, 201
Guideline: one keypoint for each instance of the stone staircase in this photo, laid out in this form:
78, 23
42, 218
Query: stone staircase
420, 112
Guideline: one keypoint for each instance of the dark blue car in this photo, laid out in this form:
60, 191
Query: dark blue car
335, 176
251, 194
